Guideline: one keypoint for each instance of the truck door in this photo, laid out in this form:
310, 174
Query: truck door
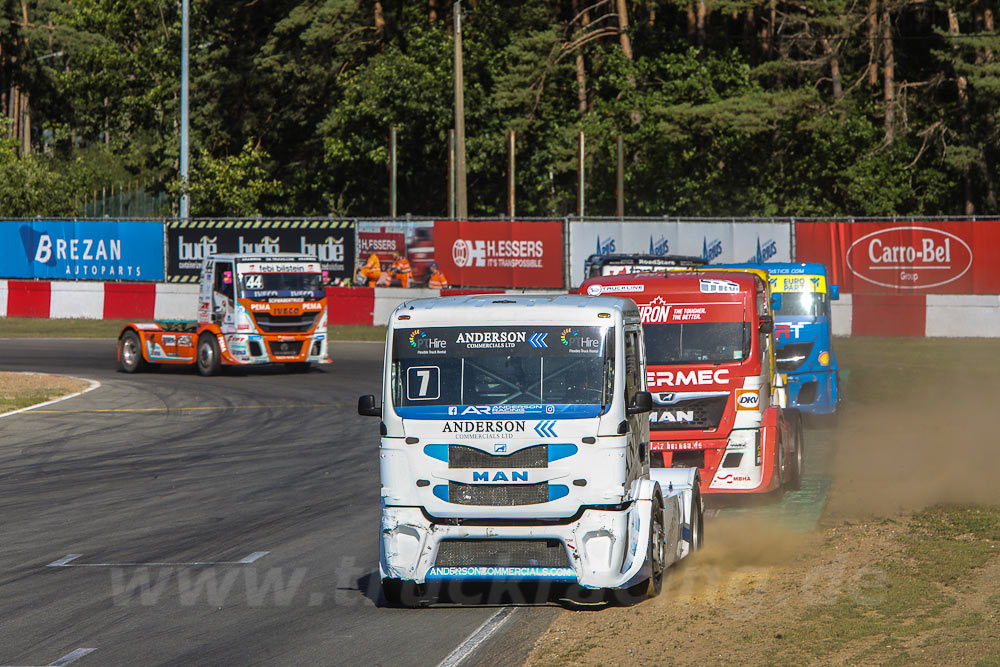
224, 296
636, 458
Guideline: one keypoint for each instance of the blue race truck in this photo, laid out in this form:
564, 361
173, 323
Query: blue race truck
802, 297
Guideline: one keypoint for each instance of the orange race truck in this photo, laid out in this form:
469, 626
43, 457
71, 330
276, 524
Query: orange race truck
252, 309
718, 403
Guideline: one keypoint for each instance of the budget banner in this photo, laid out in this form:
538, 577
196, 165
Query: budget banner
82, 250
502, 253
190, 241
715, 242
939, 257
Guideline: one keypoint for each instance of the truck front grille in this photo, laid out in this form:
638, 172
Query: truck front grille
791, 356
693, 414
286, 348
498, 494
460, 456
508, 553
269, 323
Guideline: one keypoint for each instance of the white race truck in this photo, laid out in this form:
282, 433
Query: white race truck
515, 447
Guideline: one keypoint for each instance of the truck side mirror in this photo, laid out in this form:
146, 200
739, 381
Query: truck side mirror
766, 324
367, 407
642, 403
834, 292
775, 301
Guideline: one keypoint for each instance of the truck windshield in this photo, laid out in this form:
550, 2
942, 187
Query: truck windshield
696, 343
804, 304
289, 285
516, 370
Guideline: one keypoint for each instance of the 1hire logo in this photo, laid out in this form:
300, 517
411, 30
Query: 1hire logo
425, 345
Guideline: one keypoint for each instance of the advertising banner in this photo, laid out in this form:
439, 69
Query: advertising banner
503, 253
413, 240
190, 241
943, 257
82, 250
716, 242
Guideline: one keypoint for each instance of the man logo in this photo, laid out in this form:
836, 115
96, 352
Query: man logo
500, 476
500, 448
677, 416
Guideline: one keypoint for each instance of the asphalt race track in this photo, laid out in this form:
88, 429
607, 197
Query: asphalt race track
167, 519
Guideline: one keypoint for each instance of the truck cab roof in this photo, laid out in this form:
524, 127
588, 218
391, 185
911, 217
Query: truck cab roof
679, 281
275, 257
785, 268
477, 309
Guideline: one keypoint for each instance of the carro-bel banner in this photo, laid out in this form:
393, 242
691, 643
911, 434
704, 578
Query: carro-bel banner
501, 253
190, 241
82, 250
941, 257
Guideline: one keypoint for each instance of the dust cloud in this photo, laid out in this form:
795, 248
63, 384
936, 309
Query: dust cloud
917, 428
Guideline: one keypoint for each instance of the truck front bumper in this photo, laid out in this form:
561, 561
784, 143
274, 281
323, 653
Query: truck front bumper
813, 392
599, 548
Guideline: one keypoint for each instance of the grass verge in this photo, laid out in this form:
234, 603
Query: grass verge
924, 594
20, 390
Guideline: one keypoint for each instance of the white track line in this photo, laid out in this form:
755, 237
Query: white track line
94, 384
477, 638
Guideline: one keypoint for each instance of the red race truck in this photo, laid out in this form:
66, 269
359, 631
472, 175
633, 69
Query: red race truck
252, 309
719, 405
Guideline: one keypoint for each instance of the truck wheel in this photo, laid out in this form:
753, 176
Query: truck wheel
400, 593
697, 520
130, 351
655, 554
795, 475
209, 361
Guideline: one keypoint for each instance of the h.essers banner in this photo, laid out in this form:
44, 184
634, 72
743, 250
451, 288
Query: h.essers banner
501, 253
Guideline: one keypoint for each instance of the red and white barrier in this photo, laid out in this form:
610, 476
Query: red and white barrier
97, 300
932, 315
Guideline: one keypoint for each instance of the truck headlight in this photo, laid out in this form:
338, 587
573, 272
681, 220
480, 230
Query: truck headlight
743, 439
824, 358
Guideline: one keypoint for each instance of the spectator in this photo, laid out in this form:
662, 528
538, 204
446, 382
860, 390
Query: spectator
437, 280
371, 271
400, 269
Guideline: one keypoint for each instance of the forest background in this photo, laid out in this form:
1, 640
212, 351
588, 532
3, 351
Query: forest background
725, 107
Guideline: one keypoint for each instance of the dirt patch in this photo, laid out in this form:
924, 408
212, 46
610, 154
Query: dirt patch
918, 427
20, 390
883, 581
853, 594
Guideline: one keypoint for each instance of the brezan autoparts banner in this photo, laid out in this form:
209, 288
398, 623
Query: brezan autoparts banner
82, 250
500, 253
716, 242
189, 241
944, 257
